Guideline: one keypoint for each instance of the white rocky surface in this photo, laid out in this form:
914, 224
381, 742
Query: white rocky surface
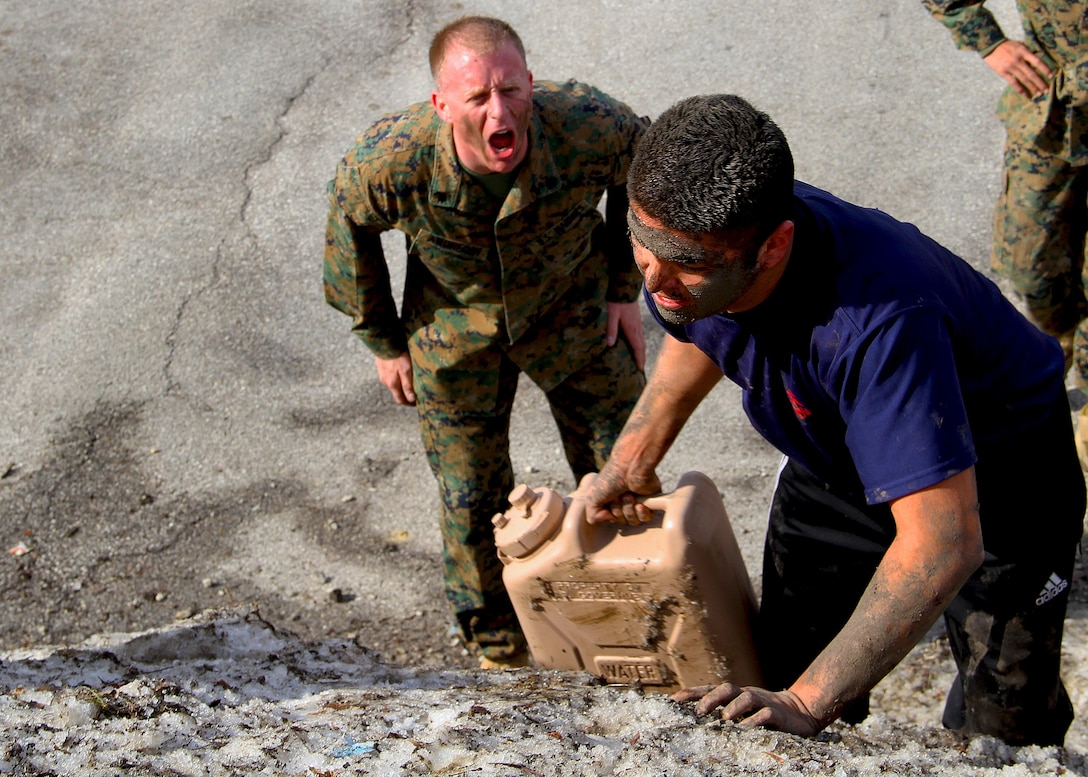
226, 693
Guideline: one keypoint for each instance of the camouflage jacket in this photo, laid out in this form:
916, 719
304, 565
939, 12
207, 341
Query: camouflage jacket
532, 273
1056, 31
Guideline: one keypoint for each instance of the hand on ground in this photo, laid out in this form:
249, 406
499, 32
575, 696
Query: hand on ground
752, 707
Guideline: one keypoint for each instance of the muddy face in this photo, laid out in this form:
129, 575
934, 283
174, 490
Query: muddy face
689, 277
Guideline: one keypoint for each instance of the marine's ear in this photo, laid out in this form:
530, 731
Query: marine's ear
440, 106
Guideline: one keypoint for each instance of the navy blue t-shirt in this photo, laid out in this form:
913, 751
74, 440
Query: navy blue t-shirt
881, 359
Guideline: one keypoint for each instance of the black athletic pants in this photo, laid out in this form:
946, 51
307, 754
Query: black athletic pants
1005, 626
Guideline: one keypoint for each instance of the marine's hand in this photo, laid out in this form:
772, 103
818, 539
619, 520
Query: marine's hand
1014, 62
752, 707
396, 375
613, 495
626, 318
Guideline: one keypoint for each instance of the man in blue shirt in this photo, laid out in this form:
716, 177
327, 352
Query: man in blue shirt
930, 461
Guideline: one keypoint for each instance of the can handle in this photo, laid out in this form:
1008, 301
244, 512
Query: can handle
657, 502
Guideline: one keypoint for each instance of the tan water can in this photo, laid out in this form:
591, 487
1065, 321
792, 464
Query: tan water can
667, 604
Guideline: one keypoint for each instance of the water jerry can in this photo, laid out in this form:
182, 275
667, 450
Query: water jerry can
667, 604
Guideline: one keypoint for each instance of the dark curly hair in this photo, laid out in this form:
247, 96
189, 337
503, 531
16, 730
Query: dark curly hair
713, 164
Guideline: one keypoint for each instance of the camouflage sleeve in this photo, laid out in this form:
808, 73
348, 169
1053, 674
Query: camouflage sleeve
356, 281
973, 27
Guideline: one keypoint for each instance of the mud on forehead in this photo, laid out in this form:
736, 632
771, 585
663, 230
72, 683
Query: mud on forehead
666, 246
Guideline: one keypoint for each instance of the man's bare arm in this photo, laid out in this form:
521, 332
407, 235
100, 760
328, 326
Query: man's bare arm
681, 379
938, 546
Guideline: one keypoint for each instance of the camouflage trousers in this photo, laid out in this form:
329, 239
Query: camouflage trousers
1004, 627
1039, 245
469, 453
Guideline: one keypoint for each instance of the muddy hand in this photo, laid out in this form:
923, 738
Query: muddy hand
752, 707
612, 498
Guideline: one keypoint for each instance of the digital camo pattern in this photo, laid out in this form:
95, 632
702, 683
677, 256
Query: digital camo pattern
469, 454
1039, 229
491, 288
1040, 217
513, 261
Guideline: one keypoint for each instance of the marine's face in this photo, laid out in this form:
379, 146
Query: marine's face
487, 99
690, 277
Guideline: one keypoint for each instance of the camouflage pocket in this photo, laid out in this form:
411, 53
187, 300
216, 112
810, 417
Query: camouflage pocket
470, 273
455, 362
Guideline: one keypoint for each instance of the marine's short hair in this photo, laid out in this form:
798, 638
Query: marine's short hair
482, 34
713, 164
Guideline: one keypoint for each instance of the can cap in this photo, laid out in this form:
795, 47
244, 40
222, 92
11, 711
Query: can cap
533, 518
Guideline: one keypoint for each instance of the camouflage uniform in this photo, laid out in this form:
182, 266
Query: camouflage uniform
493, 288
1042, 211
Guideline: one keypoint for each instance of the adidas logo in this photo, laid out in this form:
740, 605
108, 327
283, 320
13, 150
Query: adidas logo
1054, 586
